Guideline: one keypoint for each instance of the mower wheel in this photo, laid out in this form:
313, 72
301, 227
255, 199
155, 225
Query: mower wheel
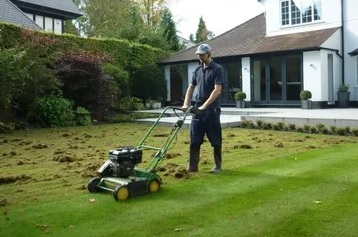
92, 185
121, 193
154, 186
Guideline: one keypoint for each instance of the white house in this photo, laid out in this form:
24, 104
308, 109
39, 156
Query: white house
48, 15
294, 45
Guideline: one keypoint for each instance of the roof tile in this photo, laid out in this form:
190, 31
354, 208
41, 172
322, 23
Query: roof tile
250, 38
12, 14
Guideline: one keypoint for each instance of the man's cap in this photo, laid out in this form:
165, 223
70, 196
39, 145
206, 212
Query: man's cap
203, 48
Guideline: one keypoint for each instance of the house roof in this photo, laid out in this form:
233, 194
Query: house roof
67, 7
12, 14
250, 38
354, 52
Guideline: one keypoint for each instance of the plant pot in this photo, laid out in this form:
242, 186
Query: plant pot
343, 99
240, 104
148, 105
156, 105
306, 104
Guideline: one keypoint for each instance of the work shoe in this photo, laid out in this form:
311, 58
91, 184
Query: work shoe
217, 159
215, 170
194, 154
191, 170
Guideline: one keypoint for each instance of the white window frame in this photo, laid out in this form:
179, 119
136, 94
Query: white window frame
292, 14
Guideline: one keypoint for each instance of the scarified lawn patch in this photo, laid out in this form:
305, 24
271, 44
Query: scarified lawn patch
273, 184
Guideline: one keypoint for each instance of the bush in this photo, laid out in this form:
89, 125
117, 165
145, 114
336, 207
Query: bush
130, 104
305, 95
259, 123
355, 131
54, 111
240, 96
86, 84
292, 126
149, 82
82, 117
343, 88
6, 127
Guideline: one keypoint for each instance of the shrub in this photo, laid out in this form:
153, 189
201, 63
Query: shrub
82, 117
341, 131
280, 125
343, 88
305, 95
86, 84
259, 123
6, 127
292, 126
130, 104
320, 127
54, 111
240, 96
149, 82
306, 128
355, 131
267, 126
247, 124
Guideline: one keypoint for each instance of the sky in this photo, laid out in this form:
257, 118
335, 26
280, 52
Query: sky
219, 16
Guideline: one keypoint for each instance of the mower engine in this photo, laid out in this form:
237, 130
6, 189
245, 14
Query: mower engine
121, 162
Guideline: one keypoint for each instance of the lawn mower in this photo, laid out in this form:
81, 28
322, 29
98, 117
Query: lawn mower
120, 175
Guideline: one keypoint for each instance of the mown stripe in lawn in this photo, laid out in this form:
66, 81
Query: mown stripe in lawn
280, 191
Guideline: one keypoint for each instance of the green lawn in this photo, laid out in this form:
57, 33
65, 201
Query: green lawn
273, 184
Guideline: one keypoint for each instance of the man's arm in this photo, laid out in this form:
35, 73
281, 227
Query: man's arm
213, 96
188, 96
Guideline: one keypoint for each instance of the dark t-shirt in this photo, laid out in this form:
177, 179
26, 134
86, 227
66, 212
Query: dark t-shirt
205, 79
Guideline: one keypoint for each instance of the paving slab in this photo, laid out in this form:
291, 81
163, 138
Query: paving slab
232, 117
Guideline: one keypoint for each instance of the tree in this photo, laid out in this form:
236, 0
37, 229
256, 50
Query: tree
202, 33
136, 20
104, 18
151, 11
70, 28
169, 30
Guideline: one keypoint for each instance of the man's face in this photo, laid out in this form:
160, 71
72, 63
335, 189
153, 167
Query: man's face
204, 58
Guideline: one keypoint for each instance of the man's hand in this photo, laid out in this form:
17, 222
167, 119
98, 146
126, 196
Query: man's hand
185, 108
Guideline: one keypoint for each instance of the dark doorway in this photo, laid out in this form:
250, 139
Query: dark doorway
178, 81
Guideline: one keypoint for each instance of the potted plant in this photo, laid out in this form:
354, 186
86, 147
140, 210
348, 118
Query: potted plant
148, 103
343, 95
305, 96
240, 97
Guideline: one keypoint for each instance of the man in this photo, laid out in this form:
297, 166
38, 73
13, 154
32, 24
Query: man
208, 77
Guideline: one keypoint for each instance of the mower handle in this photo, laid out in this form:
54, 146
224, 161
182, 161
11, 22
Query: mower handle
191, 109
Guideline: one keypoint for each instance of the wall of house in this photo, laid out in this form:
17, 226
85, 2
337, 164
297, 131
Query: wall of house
312, 79
331, 14
246, 82
47, 23
315, 75
351, 43
191, 70
326, 85
331, 17
167, 79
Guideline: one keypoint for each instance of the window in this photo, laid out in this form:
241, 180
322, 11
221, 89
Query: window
295, 12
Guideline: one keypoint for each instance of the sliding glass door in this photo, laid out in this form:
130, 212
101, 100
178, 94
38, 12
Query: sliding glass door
277, 79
